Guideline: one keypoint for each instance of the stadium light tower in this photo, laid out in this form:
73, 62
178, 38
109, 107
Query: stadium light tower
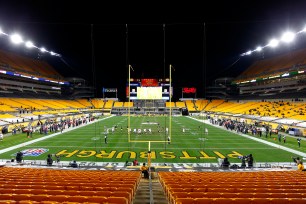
16, 39
288, 37
29, 44
42, 49
258, 49
129, 112
304, 30
170, 96
273, 43
1, 32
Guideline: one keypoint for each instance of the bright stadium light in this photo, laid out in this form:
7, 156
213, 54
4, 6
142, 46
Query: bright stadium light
55, 54
16, 39
29, 44
2, 33
258, 49
288, 37
43, 49
248, 52
273, 43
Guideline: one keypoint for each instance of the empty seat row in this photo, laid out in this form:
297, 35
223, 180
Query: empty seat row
177, 195
241, 201
126, 194
63, 198
40, 185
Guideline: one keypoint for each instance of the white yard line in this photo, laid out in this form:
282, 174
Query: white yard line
257, 139
46, 137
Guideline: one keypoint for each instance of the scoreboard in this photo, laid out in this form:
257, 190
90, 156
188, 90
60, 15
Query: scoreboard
149, 89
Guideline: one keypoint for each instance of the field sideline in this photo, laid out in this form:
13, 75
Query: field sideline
192, 145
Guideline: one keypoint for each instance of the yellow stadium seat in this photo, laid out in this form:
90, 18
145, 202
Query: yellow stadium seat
185, 201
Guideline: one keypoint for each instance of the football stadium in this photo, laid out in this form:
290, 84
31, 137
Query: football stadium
244, 142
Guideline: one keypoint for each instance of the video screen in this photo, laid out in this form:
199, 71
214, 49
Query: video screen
149, 92
148, 89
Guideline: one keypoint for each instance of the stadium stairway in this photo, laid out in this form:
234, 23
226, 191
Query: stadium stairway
143, 192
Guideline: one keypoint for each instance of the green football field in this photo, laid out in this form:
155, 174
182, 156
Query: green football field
192, 145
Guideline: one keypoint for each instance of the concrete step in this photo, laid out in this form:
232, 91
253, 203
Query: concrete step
143, 193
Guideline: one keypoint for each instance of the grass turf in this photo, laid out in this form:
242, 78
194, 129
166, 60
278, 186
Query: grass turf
87, 143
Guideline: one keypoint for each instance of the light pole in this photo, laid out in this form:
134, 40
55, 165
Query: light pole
129, 108
170, 96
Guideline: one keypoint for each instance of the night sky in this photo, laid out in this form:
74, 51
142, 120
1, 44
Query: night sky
201, 40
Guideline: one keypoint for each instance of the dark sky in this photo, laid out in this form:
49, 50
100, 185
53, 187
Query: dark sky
201, 40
